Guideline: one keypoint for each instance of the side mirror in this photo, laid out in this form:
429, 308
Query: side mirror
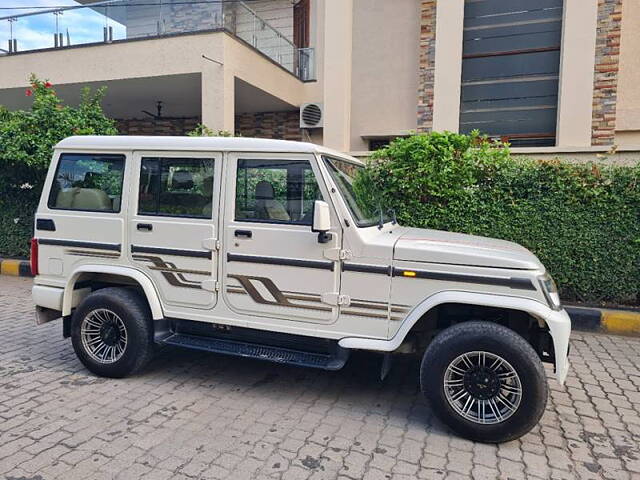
321, 221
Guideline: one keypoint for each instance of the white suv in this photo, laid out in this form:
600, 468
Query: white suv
261, 248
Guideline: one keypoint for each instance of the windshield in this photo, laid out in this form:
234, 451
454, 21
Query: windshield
362, 202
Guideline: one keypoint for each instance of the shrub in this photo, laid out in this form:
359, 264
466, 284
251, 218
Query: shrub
581, 220
202, 130
26, 145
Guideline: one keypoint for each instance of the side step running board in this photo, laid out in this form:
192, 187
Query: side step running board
263, 352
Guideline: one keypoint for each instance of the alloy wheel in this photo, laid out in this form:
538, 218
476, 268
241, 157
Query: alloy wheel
104, 336
482, 387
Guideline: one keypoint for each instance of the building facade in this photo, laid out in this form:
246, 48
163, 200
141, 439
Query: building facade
550, 76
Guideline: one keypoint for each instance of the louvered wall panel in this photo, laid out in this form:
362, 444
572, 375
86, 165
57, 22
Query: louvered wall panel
510, 68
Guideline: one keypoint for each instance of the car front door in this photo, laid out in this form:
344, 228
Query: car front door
274, 265
173, 225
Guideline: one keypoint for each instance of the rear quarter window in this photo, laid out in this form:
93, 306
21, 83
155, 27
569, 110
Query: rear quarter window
88, 182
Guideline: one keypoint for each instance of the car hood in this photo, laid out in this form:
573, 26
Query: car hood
434, 246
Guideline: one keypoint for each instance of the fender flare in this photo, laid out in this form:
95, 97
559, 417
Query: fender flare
558, 322
147, 286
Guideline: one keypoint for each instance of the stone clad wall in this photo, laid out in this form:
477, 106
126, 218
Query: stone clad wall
279, 125
163, 126
605, 82
427, 64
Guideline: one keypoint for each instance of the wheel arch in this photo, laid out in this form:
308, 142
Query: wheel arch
557, 321
135, 276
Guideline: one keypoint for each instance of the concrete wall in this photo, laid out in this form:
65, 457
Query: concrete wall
577, 63
162, 57
448, 65
337, 59
145, 58
628, 112
384, 78
244, 63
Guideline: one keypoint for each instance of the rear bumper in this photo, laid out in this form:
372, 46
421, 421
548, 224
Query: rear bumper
48, 302
47, 297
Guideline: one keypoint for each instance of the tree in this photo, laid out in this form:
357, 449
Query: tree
27, 138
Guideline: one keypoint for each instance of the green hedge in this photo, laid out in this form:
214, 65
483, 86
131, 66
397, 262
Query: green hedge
582, 221
17, 209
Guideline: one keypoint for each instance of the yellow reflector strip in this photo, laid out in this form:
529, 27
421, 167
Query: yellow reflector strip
409, 274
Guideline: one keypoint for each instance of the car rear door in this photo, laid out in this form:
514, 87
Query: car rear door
173, 225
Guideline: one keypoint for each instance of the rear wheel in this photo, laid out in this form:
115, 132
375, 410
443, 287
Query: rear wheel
484, 381
111, 332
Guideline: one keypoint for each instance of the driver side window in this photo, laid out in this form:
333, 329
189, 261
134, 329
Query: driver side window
276, 191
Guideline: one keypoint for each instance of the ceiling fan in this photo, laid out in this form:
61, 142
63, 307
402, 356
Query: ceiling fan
158, 115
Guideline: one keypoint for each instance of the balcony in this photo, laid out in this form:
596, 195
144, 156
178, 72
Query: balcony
114, 21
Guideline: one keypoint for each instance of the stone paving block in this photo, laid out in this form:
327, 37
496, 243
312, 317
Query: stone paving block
193, 415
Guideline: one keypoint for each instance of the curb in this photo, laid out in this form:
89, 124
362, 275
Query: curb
15, 268
616, 322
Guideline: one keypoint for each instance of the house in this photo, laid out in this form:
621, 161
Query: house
550, 76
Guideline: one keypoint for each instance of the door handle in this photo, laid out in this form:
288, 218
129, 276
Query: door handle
45, 224
243, 233
147, 227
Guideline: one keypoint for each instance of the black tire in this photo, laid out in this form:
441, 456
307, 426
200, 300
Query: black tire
134, 313
477, 336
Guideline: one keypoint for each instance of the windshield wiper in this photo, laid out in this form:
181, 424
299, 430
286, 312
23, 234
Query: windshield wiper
394, 218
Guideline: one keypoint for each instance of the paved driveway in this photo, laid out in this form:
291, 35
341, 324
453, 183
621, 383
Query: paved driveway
194, 415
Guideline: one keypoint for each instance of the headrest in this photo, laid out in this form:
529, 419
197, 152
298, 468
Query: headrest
264, 190
182, 180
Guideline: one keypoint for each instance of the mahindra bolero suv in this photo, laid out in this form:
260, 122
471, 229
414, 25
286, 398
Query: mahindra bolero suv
262, 248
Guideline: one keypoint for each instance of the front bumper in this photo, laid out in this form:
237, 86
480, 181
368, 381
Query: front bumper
559, 325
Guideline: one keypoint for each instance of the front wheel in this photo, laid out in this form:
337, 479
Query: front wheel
484, 381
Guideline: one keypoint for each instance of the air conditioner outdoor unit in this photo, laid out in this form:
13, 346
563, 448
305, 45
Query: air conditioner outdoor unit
311, 115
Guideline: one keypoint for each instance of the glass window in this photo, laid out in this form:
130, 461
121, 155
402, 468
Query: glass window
363, 203
88, 182
176, 187
276, 191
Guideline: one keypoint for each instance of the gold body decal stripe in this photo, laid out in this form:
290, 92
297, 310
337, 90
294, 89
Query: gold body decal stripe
287, 299
279, 298
171, 273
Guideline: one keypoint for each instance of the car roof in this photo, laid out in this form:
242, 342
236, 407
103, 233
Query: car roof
167, 143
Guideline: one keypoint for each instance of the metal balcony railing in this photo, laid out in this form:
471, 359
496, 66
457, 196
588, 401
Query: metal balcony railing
119, 20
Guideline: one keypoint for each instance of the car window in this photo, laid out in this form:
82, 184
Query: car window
276, 191
365, 204
88, 182
176, 187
